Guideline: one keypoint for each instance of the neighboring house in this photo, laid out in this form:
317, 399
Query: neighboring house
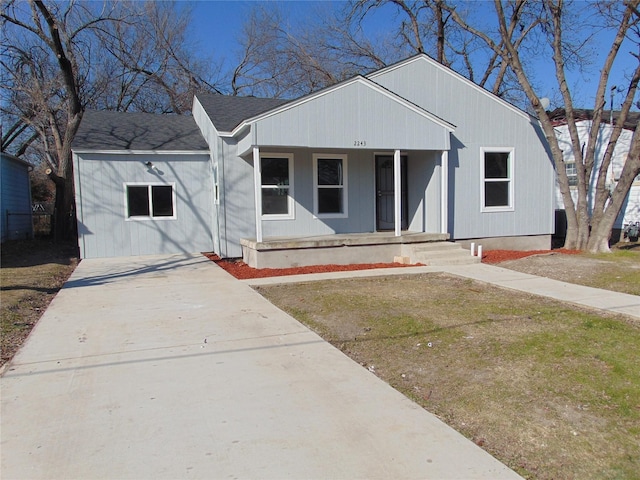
359, 172
630, 211
15, 204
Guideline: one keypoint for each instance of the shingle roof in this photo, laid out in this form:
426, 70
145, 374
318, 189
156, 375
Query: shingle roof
227, 112
108, 130
558, 117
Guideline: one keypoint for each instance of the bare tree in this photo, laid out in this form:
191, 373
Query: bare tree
44, 78
280, 58
59, 58
585, 229
426, 26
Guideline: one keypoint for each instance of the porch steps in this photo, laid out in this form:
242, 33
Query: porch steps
441, 253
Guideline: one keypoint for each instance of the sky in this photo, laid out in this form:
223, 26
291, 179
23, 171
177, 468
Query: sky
217, 25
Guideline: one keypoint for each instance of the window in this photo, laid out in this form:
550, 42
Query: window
497, 179
149, 201
572, 173
277, 186
330, 181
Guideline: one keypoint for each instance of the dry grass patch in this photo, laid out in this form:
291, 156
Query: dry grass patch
32, 273
618, 271
552, 391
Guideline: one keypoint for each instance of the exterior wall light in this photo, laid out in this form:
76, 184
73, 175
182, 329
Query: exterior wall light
151, 166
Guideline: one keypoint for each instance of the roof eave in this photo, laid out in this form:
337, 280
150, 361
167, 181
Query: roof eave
138, 152
359, 78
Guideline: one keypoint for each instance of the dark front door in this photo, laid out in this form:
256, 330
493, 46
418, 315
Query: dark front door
384, 192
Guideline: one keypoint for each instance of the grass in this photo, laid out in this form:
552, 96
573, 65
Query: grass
619, 271
32, 273
552, 391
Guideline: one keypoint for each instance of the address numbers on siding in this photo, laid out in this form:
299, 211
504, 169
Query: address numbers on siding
359, 143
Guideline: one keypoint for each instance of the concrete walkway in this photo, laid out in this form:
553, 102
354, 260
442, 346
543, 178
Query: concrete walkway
595, 298
168, 368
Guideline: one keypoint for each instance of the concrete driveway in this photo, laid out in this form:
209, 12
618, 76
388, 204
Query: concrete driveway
168, 368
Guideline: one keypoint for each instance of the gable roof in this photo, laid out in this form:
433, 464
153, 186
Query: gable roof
423, 57
336, 116
110, 131
358, 79
227, 112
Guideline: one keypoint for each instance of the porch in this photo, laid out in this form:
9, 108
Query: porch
346, 249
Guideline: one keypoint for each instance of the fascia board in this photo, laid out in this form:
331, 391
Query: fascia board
359, 79
453, 73
141, 152
198, 105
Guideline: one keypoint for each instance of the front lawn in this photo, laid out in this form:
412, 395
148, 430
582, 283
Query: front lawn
551, 390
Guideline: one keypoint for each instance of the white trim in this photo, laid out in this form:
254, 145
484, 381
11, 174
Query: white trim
141, 152
215, 182
358, 79
444, 191
344, 186
450, 71
257, 190
291, 215
79, 204
510, 179
397, 193
146, 218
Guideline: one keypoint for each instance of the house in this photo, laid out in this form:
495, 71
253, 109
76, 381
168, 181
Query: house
374, 167
15, 202
630, 211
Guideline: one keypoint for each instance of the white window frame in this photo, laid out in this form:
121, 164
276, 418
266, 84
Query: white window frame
290, 215
572, 178
143, 218
510, 179
344, 186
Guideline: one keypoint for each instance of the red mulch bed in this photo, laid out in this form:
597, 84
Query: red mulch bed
242, 271
497, 256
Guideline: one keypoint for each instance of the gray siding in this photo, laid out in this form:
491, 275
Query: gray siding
360, 205
239, 200
237, 211
211, 137
355, 112
16, 200
481, 120
103, 229
424, 191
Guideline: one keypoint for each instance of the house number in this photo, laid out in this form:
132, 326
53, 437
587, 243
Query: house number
359, 143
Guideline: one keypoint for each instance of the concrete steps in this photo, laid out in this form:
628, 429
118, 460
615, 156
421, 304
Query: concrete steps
441, 253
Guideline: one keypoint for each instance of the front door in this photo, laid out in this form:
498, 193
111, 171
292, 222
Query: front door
384, 192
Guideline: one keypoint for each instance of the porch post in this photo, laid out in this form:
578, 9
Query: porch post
397, 191
257, 188
444, 189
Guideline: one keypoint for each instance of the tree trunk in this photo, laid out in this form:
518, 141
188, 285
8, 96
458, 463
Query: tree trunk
59, 209
599, 241
440, 41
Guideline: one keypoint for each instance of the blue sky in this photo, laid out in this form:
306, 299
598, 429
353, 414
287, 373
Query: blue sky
217, 26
